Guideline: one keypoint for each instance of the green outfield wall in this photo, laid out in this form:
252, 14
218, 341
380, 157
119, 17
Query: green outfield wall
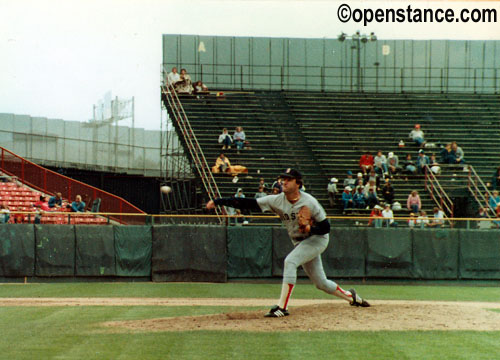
217, 253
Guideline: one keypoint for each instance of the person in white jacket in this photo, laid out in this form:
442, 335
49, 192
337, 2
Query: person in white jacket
388, 215
225, 139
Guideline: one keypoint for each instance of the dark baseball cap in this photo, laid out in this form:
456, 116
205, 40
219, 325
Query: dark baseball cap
291, 174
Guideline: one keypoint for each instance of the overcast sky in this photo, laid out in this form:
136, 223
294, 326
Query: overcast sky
58, 58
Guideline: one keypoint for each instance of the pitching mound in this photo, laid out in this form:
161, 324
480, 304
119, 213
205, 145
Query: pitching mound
337, 316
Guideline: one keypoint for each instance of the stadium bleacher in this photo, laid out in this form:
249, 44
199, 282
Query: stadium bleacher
19, 198
324, 134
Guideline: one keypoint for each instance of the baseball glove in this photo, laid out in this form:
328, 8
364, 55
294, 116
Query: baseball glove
305, 219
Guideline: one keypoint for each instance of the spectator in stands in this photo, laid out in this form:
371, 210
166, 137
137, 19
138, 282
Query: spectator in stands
414, 203
78, 205
448, 156
359, 184
494, 200
199, 87
349, 181
239, 138
496, 223
55, 202
275, 191
332, 191
388, 192
380, 162
376, 217
222, 164
483, 214
374, 179
459, 153
409, 166
438, 219
495, 180
422, 161
260, 193
388, 215
263, 183
435, 168
422, 221
277, 185
173, 77
371, 199
42, 203
370, 186
225, 139
359, 199
393, 164
366, 162
412, 221
358, 178
417, 135
347, 199
4, 214
184, 85
41, 206
239, 193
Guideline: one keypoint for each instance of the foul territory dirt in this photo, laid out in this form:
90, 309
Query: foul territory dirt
306, 315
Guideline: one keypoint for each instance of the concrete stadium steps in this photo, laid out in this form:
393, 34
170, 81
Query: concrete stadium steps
276, 141
324, 134
341, 126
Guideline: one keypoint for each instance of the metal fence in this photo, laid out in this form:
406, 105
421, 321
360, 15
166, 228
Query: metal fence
50, 182
336, 78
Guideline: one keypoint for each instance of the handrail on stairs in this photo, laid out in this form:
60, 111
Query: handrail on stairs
193, 145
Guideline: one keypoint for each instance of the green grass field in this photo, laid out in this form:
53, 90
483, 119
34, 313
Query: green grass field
75, 332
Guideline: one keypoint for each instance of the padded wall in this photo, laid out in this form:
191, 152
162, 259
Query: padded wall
189, 253
479, 254
17, 250
95, 251
345, 254
389, 253
249, 252
133, 247
435, 253
55, 250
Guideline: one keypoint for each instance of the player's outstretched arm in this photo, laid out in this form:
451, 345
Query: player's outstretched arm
238, 203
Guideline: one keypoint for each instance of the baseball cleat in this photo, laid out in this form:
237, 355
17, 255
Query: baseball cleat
355, 302
276, 311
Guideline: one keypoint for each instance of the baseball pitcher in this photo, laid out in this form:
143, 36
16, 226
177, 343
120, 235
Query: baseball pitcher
307, 225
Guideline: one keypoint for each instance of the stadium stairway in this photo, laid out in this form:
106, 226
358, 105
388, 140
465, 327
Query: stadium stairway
324, 134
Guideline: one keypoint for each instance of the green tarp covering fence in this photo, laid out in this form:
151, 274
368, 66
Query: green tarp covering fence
17, 250
133, 249
345, 254
95, 251
55, 250
214, 253
189, 253
435, 253
479, 254
389, 253
249, 252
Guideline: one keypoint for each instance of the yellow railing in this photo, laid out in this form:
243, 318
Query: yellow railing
273, 220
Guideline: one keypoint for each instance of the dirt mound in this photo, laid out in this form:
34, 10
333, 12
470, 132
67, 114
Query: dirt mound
336, 316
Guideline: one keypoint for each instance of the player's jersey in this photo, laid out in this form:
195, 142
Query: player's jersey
288, 211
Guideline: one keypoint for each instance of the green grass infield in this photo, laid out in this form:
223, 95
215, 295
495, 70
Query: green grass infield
76, 332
